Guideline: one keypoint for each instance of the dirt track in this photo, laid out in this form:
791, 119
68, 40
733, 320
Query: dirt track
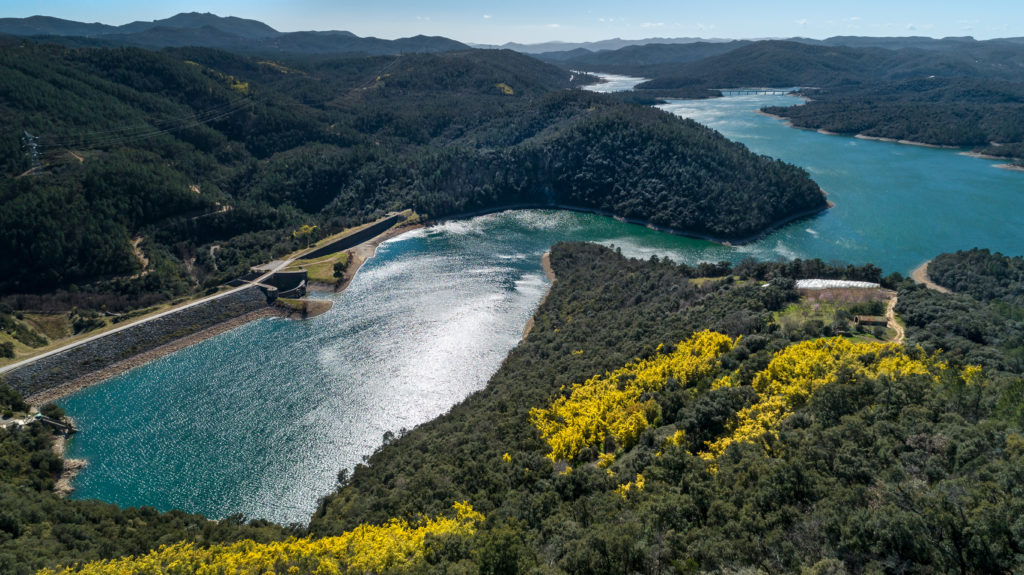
920, 275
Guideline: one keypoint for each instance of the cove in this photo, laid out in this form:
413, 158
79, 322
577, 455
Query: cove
259, 420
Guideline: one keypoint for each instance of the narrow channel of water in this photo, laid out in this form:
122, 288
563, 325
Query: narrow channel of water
259, 420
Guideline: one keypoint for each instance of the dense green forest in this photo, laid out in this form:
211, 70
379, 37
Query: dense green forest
879, 458
983, 322
208, 160
941, 111
981, 274
871, 473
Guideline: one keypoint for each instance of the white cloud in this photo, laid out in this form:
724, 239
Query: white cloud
802, 21
652, 25
553, 26
487, 16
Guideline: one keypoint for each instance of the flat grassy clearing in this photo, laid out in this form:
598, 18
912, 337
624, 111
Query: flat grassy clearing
321, 270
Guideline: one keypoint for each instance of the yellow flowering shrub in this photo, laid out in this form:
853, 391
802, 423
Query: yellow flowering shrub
795, 373
677, 439
368, 548
638, 485
610, 405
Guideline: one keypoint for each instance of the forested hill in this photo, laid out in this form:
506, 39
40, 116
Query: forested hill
208, 160
951, 92
795, 63
656, 417
212, 31
981, 274
967, 112
766, 453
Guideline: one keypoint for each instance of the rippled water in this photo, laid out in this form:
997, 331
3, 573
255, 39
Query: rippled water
614, 83
897, 206
259, 420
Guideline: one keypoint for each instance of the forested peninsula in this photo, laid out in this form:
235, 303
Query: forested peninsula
657, 418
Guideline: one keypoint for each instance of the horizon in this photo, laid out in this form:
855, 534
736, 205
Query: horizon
534, 22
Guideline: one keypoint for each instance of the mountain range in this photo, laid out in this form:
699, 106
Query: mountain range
212, 31
251, 36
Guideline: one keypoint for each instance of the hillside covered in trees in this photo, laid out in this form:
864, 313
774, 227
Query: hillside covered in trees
205, 161
950, 92
658, 418
759, 453
940, 111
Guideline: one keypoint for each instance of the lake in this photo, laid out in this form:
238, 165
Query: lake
259, 420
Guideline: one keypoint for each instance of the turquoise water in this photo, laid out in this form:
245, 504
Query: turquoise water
259, 420
897, 206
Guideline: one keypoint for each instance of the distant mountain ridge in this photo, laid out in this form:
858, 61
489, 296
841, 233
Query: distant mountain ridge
212, 31
598, 46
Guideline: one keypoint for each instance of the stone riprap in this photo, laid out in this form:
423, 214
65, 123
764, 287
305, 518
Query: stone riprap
50, 372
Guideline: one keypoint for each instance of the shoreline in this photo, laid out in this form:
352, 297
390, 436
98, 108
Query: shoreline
70, 467
774, 226
920, 275
98, 376
545, 263
1007, 166
789, 123
358, 256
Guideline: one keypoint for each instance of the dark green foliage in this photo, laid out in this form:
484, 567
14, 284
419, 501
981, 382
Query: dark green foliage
902, 475
983, 322
789, 63
52, 410
950, 112
10, 399
983, 275
20, 331
214, 158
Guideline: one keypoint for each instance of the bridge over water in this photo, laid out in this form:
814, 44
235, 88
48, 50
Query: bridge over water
757, 91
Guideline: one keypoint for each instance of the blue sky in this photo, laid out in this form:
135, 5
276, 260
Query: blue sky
492, 21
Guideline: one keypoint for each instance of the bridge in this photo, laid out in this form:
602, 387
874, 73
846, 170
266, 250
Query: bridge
757, 91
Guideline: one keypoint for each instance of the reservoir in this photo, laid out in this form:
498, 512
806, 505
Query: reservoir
259, 420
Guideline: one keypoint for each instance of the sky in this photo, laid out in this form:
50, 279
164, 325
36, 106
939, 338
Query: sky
533, 21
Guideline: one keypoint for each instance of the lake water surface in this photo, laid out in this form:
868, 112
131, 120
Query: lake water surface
259, 420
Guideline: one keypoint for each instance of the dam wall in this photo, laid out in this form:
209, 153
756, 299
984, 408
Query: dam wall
355, 238
51, 371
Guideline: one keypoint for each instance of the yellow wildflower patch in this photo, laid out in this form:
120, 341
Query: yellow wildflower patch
797, 372
368, 548
638, 485
610, 405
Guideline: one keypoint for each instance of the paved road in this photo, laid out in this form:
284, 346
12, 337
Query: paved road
269, 269
279, 265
